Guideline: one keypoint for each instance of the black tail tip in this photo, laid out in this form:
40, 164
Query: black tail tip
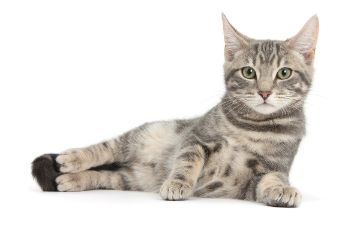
45, 170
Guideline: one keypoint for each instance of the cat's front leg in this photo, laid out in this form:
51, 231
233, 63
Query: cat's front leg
273, 189
183, 177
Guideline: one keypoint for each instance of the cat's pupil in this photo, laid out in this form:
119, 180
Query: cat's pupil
284, 72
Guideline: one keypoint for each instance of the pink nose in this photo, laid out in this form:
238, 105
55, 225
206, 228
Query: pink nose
264, 94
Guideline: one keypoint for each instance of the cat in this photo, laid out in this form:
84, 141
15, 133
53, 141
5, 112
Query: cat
242, 148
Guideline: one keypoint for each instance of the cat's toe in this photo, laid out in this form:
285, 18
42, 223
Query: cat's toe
68, 183
281, 196
175, 190
70, 162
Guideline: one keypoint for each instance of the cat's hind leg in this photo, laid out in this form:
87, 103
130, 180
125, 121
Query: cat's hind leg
89, 180
46, 171
101, 156
115, 150
80, 159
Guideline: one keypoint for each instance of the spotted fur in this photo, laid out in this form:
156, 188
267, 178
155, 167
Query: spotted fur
242, 148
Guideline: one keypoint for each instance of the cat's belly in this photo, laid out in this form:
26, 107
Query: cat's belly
226, 174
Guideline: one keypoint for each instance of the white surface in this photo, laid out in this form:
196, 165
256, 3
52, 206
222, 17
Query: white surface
76, 72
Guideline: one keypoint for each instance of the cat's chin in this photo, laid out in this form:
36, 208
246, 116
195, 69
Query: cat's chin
265, 108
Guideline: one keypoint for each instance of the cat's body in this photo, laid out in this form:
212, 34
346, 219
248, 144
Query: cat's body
236, 150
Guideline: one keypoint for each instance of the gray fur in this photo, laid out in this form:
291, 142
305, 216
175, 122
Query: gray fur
236, 150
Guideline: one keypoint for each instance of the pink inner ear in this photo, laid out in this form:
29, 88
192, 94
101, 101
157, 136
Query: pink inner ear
229, 55
309, 56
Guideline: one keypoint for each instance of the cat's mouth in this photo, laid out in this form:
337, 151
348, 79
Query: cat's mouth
265, 104
265, 108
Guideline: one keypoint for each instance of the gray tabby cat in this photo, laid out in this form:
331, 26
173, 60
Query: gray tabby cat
242, 148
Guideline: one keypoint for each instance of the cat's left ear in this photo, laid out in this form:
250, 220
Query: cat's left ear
305, 40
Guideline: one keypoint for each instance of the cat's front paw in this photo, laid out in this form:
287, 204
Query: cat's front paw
69, 183
281, 196
174, 190
72, 161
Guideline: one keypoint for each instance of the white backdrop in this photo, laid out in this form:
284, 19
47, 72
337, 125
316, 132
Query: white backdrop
74, 73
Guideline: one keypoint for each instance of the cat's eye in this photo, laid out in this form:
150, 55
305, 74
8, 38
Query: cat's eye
284, 73
248, 72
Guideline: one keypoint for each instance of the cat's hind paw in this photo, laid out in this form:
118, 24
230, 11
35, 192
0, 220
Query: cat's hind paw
72, 161
69, 183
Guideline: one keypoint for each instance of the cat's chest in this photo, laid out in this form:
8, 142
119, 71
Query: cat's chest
228, 168
238, 150
229, 161
231, 169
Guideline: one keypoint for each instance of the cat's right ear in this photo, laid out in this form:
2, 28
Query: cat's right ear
304, 42
234, 40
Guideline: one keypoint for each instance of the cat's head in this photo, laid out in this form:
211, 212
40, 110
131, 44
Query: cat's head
269, 76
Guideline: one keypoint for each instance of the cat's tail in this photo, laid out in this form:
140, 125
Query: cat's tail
45, 170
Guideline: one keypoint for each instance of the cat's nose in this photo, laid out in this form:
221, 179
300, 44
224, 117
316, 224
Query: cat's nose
264, 94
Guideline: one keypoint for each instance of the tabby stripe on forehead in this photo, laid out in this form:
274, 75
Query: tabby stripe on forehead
262, 58
272, 58
254, 55
256, 48
264, 46
278, 54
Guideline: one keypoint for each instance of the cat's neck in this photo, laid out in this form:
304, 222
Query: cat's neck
239, 110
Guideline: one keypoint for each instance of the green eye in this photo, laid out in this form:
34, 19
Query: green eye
248, 72
284, 73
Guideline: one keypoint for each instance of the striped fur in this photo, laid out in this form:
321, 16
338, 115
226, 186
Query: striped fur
242, 148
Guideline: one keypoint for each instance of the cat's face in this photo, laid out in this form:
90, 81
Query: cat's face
269, 76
